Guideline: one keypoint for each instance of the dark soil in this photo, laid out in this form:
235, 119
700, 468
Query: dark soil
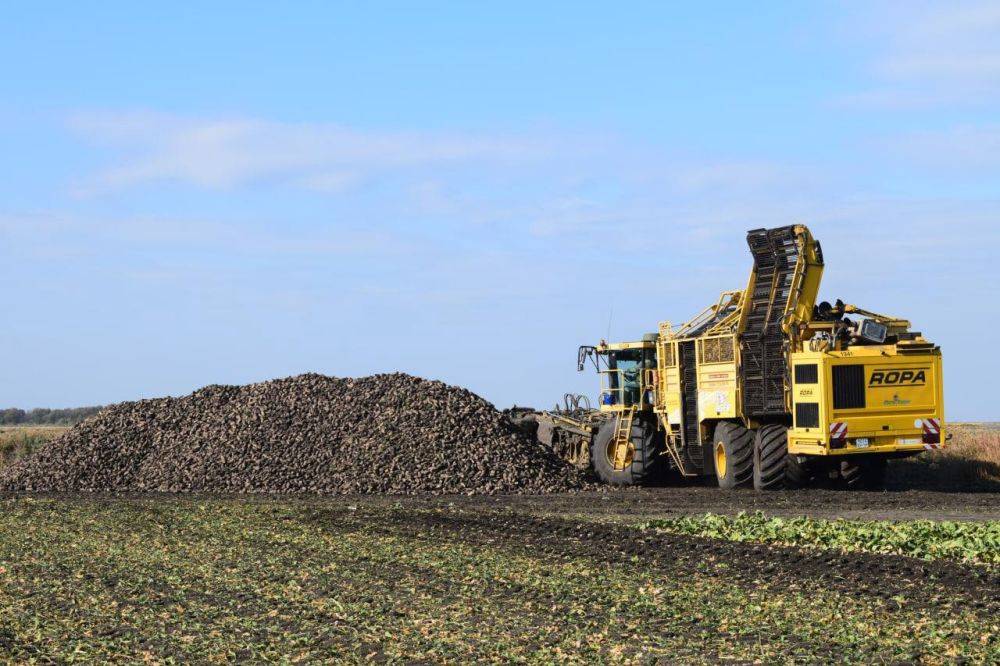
701, 499
196, 579
938, 584
641, 503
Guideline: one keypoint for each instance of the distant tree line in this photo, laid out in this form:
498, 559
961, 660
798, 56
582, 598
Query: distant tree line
45, 416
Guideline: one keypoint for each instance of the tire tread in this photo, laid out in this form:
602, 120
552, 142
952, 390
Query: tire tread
738, 441
771, 449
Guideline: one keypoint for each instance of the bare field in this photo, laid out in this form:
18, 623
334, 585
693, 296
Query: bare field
355, 580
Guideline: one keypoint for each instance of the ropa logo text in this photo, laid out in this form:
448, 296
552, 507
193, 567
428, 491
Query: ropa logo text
915, 377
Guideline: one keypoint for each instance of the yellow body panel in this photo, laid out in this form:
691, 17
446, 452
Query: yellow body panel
805, 282
901, 391
717, 377
614, 346
673, 396
717, 391
717, 380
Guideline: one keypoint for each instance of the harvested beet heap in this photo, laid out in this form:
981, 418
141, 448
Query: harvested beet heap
393, 434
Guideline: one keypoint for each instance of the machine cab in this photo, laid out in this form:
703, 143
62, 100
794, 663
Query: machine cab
627, 371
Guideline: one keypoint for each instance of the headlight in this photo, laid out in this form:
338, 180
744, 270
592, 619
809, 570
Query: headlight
873, 331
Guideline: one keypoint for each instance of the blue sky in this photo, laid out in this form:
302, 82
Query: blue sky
231, 192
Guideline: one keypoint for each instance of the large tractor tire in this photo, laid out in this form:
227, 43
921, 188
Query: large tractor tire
732, 453
864, 474
770, 457
642, 462
799, 472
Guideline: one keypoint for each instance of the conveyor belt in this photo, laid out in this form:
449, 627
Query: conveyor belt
689, 393
775, 255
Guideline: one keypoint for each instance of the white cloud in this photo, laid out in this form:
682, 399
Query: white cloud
226, 153
930, 55
612, 194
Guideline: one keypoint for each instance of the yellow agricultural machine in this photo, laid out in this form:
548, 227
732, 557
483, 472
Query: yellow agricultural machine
765, 386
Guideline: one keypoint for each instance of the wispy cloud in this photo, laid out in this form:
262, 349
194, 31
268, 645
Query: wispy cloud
963, 147
72, 233
932, 54
957, 41
224, 153
746, 175
544, 189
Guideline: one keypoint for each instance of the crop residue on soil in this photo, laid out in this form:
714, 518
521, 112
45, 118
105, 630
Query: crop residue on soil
390, 433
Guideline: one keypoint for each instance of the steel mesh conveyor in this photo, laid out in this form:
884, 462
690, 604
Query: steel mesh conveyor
775, 254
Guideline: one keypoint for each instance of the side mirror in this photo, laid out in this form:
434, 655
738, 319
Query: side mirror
581, 356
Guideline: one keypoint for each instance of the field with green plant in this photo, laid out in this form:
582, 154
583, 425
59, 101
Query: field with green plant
168, 579
965, 541
688, 573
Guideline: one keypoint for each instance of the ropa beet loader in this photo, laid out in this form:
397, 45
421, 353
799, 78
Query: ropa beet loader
766, 386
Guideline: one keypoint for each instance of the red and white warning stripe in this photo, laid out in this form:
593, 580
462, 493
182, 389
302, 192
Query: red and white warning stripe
932, 433
838, 430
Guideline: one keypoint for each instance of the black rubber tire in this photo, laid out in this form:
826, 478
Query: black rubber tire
864, 474
646, 458
799, 472
737, 442
769, 457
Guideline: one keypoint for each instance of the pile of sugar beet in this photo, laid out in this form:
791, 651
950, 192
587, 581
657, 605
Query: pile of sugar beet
389, 433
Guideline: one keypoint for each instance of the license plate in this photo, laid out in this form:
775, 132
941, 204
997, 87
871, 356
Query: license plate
861, 442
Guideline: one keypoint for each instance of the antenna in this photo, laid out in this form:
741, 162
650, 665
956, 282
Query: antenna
610, 317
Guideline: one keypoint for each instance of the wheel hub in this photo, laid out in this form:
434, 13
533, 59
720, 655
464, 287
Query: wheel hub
720, 460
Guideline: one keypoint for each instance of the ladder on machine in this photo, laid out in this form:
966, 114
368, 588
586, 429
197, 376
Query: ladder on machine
623, 437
